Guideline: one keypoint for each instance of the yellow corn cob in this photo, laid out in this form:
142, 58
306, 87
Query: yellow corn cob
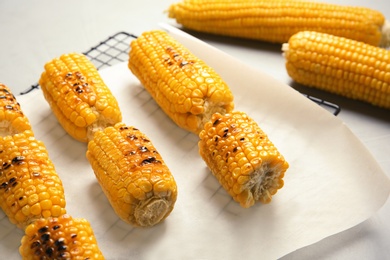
186, 88
132, 174
29, 185
276, 20
242, 158
78, 96
60, 238
12, 118
342, 66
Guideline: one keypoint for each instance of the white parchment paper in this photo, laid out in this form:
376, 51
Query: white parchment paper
333, 182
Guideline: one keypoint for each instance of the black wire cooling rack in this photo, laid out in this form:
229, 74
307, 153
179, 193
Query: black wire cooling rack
115, 49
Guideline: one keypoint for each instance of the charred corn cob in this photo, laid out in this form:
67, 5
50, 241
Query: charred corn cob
276, 20
78, 96
12, 118
132, 174
242, 158
186, 88
29, 185
63, 237
342, 66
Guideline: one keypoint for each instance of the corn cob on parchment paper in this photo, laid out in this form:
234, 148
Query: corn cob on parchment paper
332, 179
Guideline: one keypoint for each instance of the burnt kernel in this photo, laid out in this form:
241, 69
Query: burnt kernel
145, 140
12, 180
35, 244
38, 252
132, 137
3, 97
55, 227
216, 122
20, 198
43, 229
150, 160
49, 251
17, 159
79, 90
123, 128
143, 149
242, 139
183, 63
3, 185
6, 166
73, 235
135, 129
216, 139
62, 248
235, 149
59, 241
69, 74
45, 237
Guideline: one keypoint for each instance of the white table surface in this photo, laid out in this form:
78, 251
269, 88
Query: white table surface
33, 32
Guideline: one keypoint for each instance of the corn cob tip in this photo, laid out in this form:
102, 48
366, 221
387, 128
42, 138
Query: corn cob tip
339, 65
12, 118
78, 96
385, 40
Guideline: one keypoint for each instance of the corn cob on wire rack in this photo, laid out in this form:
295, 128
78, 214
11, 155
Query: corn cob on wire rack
115, 49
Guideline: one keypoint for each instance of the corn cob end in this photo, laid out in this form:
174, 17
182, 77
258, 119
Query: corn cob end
242, 158
132, 174
385, 40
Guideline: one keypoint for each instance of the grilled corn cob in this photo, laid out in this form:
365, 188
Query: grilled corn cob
78, 96
63, 237
186, 88
132, 174
242, 158
29, 185
12, 118
342, 66
276, 20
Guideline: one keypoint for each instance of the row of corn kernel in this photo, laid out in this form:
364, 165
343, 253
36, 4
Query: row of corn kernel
276, 21
195, 97
89, 112
31, 192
